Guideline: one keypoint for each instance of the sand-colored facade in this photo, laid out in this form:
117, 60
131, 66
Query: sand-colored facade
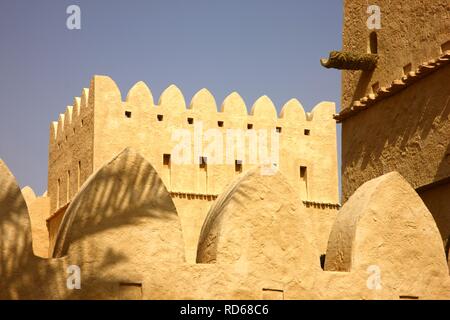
124, 235
123, 218
397, 117
100, 125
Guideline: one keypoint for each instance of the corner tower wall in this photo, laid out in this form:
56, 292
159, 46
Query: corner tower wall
307, 145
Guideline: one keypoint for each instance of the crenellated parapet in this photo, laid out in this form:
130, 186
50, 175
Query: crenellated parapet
71, 120
101, 122
104, 93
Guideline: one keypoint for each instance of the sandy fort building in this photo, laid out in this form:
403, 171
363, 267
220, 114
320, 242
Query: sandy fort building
252, 211
397, 116
100, 124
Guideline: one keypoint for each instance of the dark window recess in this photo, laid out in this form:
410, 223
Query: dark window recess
203, 161
322, 261
279, 129
166, 159
447, 249
373, 42
190, 120
249, 126
238, 165
160, 117
307, 132
128, 114
130, 291
220, 123
302, 172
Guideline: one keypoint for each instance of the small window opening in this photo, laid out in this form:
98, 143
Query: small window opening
272, 294
307, 132
160, 117
373, 43
409, 297
79, 175
130, 291
190, 120
238, 166
128, 114
322, 261
302, 172
220, 123
68, 186
166, 159
279, 129
249, 126
58, 188
203, 162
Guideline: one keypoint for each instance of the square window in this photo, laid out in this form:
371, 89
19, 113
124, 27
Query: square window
160, 117
130, 291
128, 114
220, 123
203, 162
307, 132
238, 165
279, 129
190, 120
249, 126
166, 159
303, 172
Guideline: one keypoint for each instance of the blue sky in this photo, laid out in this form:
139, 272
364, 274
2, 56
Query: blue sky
254, 47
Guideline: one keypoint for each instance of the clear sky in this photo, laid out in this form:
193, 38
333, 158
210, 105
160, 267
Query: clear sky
254, 47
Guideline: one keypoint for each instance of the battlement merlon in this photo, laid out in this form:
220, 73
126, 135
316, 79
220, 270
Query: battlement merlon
100, 124
103, 91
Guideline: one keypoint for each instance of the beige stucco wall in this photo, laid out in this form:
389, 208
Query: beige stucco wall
70, 151
386, 227
39, 210
193, 188
411, 32
437, 201
408, 132
128, 243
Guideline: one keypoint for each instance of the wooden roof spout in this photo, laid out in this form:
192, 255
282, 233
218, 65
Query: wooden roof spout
350, 61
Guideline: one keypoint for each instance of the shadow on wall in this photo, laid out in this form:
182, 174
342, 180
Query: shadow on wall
21, 273
122, 216
401, 124
259, 226
362, 85
122, 220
